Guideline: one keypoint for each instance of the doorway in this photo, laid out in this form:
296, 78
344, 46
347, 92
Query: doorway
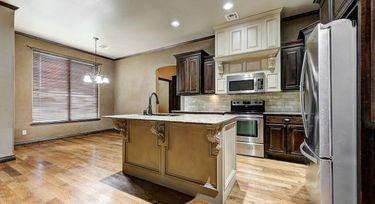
166, 89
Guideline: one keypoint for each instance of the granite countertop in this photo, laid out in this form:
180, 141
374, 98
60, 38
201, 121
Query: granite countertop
206, 119
199, 112
223, 112
281, 113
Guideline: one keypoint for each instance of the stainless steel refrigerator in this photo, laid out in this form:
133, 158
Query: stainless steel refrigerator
329, 108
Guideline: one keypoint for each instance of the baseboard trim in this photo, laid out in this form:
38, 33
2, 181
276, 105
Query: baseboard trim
44, 139
7, 158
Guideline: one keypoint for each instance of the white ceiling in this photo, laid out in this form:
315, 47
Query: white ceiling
133, 26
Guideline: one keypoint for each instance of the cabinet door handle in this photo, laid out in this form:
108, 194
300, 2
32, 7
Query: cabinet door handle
287, 120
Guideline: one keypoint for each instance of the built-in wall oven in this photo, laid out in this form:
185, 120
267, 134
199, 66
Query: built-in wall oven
250, 136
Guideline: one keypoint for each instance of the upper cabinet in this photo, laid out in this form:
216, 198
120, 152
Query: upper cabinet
253, 37
250, 44
253, 33
291, 65
236, 41
273, 32
209, 75
334, 9
190, 72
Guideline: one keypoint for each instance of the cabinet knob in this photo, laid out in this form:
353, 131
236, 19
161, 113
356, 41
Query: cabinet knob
287, 120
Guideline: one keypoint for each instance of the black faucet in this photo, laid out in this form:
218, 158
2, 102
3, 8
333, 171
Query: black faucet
148, 111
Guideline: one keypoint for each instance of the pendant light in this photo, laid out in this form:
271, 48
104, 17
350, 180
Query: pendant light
95, 75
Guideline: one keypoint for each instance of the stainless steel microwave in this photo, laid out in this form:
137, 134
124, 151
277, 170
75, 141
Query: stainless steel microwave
245, 83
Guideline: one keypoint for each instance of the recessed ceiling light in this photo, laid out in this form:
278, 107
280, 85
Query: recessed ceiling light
175, 23
228, 6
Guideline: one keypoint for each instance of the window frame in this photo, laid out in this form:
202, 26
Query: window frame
69, 59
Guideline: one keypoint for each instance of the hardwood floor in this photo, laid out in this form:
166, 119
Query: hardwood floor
269, 181
72, 170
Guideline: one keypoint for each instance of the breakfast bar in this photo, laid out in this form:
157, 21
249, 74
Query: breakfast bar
193, 154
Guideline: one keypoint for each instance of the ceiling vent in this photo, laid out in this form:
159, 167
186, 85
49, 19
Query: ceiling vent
232, 16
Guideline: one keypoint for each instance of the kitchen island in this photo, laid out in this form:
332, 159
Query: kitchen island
193, 154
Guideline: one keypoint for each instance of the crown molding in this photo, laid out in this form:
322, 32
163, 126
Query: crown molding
168, 47
301, 15
61, 45
10, 6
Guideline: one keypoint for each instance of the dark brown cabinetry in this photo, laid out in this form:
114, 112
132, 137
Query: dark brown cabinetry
295, 138
334, 9
209, 75
325, 11
181, 74
283, 137
194, 67
291, 65
367, 69
276, 139
191, 73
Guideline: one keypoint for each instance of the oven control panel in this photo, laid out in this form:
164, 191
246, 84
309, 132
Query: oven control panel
247, 106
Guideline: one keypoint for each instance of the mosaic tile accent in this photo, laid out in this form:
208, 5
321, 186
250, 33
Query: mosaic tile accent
275, 102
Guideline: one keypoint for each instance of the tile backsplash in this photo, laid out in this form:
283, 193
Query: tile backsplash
275, 101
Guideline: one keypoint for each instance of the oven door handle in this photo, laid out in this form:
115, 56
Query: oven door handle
244, 118
258, 121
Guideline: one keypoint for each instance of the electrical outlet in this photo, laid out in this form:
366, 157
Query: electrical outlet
24, 132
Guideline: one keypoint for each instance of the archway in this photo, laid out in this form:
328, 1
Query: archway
166, 89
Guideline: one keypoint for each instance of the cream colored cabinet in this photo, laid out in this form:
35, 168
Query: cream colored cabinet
272, 32
221, 85
236, 41
250, 34
253, 37
241, 45
221, 48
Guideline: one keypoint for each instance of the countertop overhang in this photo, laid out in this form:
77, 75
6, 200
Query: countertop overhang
228, 112
205, 119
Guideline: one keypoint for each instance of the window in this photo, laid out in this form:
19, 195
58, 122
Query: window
59, 93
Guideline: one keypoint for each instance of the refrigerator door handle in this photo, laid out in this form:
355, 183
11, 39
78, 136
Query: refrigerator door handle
310, 155
302, 91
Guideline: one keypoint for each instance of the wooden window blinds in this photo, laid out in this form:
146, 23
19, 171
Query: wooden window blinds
59, 93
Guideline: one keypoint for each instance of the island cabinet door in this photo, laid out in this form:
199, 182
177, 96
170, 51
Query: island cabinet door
276, 139
229, 153
188, 155
142, 150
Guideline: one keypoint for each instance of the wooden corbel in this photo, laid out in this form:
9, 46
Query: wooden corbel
214, 139
220, 68
122, 126
158, 129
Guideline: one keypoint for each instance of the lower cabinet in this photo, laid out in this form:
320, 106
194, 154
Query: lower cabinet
276, 138
295, 134
283, 137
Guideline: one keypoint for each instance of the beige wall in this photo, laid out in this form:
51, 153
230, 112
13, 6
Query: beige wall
135, 77
6, 81
23, 112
